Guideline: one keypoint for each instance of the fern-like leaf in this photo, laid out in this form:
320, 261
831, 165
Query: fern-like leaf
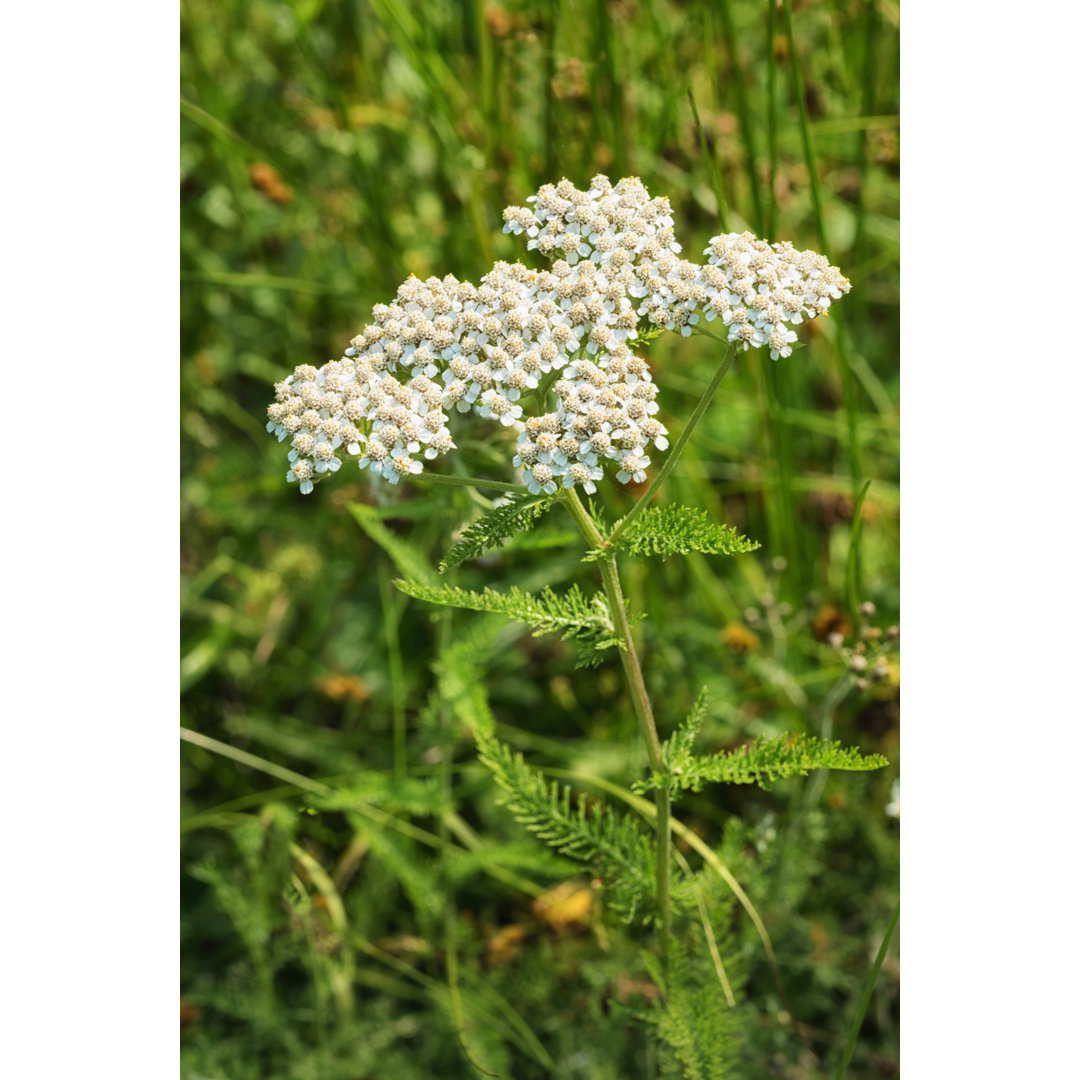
763, 762
461, 678
577, 617
517, 514
678, 751
678, 530
700, 1030
617, 846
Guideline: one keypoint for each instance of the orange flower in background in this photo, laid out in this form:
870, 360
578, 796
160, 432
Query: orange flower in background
344, 687
266, 179
563, 905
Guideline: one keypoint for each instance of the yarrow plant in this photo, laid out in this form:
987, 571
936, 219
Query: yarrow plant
554, 356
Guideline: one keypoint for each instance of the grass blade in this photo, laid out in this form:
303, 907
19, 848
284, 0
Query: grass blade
864, 1002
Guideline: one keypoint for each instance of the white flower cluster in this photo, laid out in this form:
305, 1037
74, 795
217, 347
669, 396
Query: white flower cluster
605, 412
449, 346
324, 410
756, 289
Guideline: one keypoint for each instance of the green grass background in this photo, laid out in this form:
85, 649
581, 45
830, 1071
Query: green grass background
329, 150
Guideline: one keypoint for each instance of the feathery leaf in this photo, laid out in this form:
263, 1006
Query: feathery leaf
678, 530
584, 620
416, 872
678, 751
762, 762
517, 514
699, 1027
617, 846
461, 680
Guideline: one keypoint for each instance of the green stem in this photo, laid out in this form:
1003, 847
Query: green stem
853, 551
869, 74
473, 482
628, 654
680, 446
242, 757
642, 708
582, 519
545, 385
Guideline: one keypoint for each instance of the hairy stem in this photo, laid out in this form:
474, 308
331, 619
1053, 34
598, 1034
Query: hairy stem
680, 446
642, 708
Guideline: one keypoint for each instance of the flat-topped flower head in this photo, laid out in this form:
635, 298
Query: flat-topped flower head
444, 348
767, 287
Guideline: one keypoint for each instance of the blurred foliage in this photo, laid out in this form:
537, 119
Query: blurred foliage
328, 150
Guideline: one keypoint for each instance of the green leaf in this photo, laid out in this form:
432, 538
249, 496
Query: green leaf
617, 846
417, 872
645, 338
517, 514
524, 856
701, 1032
584, 620
678, 751
761, 762
461, 678
678, 530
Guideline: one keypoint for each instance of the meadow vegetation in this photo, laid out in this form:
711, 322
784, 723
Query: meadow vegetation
358, 897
